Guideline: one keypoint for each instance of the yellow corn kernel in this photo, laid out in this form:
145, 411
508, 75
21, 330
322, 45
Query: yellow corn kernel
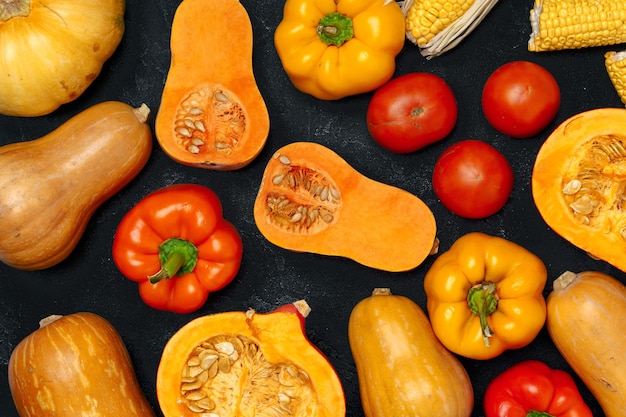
437, 26
426, 18
615, 63
573, 24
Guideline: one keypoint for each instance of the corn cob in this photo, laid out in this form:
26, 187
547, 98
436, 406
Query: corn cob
573, 24
436, 26
615, 63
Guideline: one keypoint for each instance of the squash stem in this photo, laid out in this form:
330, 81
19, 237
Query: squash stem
178, 257
482, 300
13, 8
335, 29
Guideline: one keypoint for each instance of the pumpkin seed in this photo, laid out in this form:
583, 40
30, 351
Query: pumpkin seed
183, 131
225, 348
572, 187
198, 111
195, 395
240, 358
301, 218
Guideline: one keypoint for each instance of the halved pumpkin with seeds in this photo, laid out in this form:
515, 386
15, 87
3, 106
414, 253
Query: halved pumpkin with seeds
248, 364
212, 114
311, 200
579, 183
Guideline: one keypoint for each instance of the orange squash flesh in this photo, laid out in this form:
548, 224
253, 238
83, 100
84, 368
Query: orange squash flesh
212, 114
311, 200
75, 365
246, 363
579, 183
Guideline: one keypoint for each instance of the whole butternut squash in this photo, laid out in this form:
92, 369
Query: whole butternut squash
586, 314
212, 114
311, 200
403, 369
75, 365
51, 186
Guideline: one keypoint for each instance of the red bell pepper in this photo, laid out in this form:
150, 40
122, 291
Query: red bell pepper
533, 389
177, 245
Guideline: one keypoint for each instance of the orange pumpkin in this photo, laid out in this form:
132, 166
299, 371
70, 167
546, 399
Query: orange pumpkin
312, 200
247, 363
212, 114
579, 186
75, 365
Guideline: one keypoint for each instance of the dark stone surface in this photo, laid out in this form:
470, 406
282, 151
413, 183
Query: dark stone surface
269, 277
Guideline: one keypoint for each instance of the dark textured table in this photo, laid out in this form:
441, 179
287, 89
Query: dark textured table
270, 276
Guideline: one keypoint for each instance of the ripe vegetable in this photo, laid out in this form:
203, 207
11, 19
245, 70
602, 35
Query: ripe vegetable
51, 51
179, 248
520, 99
532, 389
473, 179
437, 27
586, 323
403, 369
212, 114
75, 365
578, 185
336, 49
51, 186
555, 24
312, 200
412, 111
484, 296
616, 69
248, 363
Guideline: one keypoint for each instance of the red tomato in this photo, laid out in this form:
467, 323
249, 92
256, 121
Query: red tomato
411, 111
472, 179
520, 99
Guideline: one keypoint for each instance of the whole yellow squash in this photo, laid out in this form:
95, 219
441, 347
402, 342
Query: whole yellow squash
51, 51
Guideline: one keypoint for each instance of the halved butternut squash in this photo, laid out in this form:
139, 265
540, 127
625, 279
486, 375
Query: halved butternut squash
312, 200
579, 183
212, 114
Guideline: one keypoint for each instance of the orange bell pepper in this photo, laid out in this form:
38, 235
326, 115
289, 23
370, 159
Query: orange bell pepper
178, 247
485, 296
337, 48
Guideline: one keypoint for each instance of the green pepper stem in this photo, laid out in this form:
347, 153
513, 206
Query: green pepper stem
177, 256
533, 413
335, 29
482, 300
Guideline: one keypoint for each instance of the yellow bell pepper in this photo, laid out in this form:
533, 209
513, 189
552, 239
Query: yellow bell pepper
485, 296
337, 48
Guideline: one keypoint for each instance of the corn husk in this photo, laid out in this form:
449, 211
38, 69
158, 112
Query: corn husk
456, 31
